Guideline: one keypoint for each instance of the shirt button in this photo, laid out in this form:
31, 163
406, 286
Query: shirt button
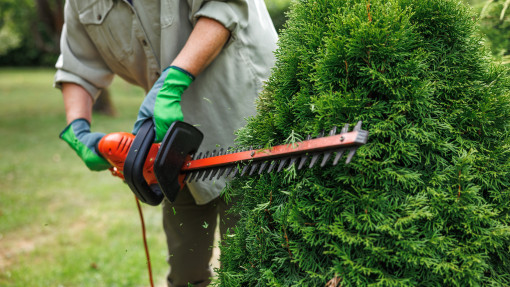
99, 17
144, 42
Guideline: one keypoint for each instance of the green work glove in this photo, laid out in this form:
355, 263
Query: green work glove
77, 134
163, 102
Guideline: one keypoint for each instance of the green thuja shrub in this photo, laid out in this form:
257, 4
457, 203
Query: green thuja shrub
426, 201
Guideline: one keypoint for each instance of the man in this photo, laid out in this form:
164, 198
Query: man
201, 61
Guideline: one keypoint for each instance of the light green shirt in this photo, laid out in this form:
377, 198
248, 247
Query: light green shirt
102, 38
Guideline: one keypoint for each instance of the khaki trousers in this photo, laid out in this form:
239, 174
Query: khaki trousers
189, 230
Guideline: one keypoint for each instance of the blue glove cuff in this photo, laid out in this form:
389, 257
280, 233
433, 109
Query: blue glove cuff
78, 125
184, 71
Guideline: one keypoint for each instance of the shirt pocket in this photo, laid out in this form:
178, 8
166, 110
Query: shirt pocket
110, 27
167, 13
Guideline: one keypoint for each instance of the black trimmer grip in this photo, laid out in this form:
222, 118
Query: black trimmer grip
181, 140
133, 166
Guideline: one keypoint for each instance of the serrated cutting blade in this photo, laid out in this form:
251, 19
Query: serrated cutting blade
265, 160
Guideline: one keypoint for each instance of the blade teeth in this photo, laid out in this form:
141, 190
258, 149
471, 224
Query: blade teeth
271, 167
199, 175
282, 164
325, 159
193, 176
189, 177
263, 167
304, 158
221, 152
315, 157
332, 132
345, 129
213, 153
235, 172
245, 169
228, 170
220, 173
199, 156
254, 168
339, 154
206, 174
292, 161
302, 162
358, 126
350, 155
213, 173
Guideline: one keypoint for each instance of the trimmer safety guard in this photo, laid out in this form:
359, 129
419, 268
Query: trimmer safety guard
181, 141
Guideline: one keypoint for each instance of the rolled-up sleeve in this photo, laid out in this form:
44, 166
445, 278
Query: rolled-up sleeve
231, 14
79, 61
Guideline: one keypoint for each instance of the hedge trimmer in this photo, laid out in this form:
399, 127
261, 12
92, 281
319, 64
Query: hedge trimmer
155, 171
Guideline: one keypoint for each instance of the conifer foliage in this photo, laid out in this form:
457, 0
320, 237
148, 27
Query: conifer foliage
426, 201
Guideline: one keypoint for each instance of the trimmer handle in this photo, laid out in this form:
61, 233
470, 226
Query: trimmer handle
134, 166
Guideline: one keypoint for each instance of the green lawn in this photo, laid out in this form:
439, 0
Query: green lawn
60, 224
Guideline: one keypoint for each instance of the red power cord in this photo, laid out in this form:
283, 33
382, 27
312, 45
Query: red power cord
145, 241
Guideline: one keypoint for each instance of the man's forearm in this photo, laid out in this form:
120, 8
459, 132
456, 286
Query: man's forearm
77, 101
203, 45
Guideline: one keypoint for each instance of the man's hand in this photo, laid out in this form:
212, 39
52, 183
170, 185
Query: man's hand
163, 102
77, 134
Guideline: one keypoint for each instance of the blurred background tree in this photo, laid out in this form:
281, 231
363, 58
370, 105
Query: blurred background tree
495, 25
277, 10
30, 32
